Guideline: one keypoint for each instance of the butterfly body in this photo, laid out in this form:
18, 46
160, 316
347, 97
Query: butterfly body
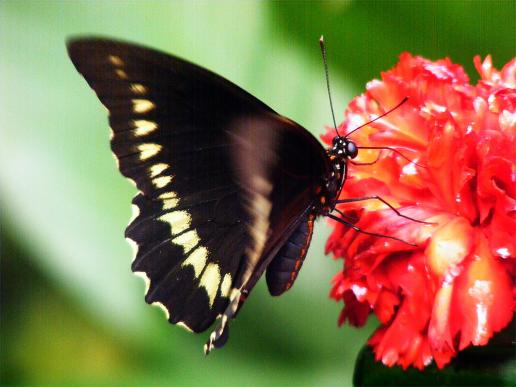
228, 188
282, 271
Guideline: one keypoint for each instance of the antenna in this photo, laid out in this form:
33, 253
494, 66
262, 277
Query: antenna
380, 116
323, 51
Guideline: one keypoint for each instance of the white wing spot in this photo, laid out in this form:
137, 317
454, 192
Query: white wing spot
179, 221
156, 169
135, 212
134, 247
170, 200
116, 160
168, 204
142, 105
160, 182
226, 285
210, 280
184, 326
145, 278
197, 259
138, 88
168, 195
162, 307
144, 127
121, 74
130, 180
148, 150
188, 240
115, 60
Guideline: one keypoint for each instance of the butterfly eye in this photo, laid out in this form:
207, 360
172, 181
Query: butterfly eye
351, 149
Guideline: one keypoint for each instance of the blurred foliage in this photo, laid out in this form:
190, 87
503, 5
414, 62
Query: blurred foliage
366, 37
71, 311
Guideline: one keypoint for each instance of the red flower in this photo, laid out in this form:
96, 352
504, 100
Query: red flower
456, 288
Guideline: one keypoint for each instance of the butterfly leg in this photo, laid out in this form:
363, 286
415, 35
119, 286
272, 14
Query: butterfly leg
349, 218
376, 197
357, 229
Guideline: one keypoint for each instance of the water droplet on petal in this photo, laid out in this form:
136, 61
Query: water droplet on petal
359, 291
409, 169
503, 252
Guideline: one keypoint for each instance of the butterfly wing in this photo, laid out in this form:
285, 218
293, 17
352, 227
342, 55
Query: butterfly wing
223, 179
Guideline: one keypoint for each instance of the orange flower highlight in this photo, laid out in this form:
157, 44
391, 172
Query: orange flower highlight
456, 288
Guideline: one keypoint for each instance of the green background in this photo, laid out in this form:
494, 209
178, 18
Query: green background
71, 312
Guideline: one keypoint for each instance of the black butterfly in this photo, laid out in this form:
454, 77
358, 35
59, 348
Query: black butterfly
228, 188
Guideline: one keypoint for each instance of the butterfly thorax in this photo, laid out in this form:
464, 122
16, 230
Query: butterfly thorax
339, 154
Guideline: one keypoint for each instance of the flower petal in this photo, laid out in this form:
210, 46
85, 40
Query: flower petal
456, 287
450, 244
482, 298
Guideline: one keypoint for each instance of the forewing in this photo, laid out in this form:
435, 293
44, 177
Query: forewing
169, 122
176, 129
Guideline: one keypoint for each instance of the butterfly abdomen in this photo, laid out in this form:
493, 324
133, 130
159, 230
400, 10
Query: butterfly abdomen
283, 269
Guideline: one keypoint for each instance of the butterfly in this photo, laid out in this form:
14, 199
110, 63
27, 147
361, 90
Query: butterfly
227, 188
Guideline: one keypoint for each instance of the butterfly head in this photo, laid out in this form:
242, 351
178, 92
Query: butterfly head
344, 148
